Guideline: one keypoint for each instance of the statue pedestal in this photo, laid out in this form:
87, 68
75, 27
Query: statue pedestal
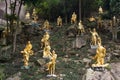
96, 67
51, 75
25, 67
93, 46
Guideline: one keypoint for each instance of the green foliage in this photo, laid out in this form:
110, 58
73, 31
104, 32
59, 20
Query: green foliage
115, 7
96, 3
2, 75
11, 16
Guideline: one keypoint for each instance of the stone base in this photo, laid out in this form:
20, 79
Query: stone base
51, 75
99, 67
25, 67
93, 46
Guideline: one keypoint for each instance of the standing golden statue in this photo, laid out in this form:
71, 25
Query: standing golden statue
51, 64
99, 22
114, 21
100, 55
27, 52
99, 41
45, 40
4, 35
100, 10
81, 29
46, 25
94, 37
74, 18
59, 21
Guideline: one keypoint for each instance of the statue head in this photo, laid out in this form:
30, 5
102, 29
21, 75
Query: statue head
99, 44
28, 42
53, 52
80, 21
94, 30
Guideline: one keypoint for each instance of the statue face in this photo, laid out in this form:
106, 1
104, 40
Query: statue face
28, 42
94, 30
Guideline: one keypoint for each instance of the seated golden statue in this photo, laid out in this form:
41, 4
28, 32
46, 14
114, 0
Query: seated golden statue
100, 55
59, 21
34, 15
51, 64
26, 53
46, 52
27, 16
45, 40
46, 25
100, 10
73, 18
80, 28
94, 37
91, 19
34, 12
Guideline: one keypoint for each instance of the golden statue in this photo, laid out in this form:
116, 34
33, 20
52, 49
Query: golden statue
111, 24
51, 64
80, 28
46, 52
34, 12
100, 10
99, 40
114, 20
91, 19
35, 20
94, 37
73, 18
99, 22
27, 16
5, 32
46, 25
27, 52
59, 21
4, 35
34, 15
100, 55
45, 40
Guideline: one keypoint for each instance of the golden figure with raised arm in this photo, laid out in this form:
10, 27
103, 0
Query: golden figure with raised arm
26, 54
59, 21
73, 18
51, 64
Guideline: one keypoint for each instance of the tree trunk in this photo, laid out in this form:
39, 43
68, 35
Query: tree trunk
15, 34
79, 9
6, 15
